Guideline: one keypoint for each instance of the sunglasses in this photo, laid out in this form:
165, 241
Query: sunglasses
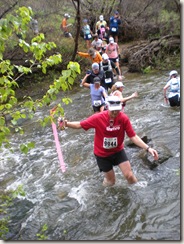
118, 102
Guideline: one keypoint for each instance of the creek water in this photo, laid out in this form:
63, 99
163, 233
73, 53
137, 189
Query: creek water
74, 205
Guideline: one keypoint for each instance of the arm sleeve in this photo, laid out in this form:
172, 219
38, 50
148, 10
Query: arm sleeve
89, 122
85, 55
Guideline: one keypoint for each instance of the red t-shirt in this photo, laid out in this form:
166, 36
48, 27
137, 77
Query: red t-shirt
108, 139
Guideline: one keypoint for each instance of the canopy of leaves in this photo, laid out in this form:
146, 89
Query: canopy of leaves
18, 24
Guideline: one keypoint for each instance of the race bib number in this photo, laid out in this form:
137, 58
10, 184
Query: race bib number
113, 29
97, 103
108, 80
109, 143
89, 36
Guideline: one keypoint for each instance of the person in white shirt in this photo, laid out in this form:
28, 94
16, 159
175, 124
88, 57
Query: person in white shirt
173, 97
97, 43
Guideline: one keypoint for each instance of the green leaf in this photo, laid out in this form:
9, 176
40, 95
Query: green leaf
66, 73
24, 148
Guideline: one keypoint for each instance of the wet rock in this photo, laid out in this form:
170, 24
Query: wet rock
163, 152
18, 213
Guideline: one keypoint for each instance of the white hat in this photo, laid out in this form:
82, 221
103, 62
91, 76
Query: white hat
105, 56
67, 15
114, 103
173, 72
101, 18
111, 40
95, 66
119, 84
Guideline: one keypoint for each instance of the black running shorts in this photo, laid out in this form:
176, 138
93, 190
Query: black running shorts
105, 164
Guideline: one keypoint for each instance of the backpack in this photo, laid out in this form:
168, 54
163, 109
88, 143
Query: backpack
106, 67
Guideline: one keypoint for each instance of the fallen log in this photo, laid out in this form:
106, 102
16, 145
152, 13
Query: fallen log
143, 54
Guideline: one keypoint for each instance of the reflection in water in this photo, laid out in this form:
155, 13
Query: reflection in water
74, 204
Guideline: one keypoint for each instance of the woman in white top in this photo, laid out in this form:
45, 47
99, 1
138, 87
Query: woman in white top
117, 90
174, 93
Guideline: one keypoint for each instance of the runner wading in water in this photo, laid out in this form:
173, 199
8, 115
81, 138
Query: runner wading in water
110, 127
173, 98
97, 93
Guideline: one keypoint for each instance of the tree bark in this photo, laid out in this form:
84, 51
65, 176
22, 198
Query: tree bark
78, 17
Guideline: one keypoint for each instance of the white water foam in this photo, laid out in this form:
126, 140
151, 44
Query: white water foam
80, 194
139, 185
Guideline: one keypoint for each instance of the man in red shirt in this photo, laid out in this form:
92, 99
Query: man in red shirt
110, 127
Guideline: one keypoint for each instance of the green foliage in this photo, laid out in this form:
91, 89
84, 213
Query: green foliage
147, 70
166, 16
170, 22
38, 49
6, 200
25, 148
41, 235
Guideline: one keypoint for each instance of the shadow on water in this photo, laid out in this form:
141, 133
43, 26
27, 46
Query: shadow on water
74, 204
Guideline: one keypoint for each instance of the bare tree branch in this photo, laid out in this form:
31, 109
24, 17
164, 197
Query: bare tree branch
6, 11
146, 6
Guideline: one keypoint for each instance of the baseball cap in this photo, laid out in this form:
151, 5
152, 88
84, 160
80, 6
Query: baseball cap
105, 56
119, 84
96, 80
111, 40
95, 66
116, 12
67, 15
101, 17
114, 103
173, 72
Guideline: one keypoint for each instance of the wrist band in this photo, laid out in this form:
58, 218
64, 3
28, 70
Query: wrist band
147, 149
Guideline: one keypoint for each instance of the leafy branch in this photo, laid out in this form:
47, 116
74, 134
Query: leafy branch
10, 75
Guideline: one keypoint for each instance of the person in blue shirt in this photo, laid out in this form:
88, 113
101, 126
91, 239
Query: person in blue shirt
114, 24
97, 93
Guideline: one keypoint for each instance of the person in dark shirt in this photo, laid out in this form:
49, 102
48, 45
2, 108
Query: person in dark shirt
114, 26
107, 66
95, 72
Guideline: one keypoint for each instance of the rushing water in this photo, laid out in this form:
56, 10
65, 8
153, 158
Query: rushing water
74, 204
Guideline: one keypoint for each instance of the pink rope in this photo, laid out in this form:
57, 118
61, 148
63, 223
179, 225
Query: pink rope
59, 152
